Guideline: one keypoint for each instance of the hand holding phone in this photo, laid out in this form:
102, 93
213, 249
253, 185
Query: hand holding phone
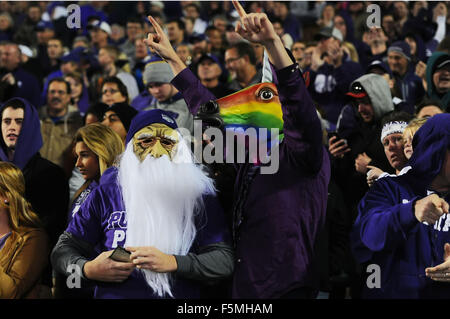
121, 254
337, 146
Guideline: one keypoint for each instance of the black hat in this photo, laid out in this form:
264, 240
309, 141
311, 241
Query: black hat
125, 113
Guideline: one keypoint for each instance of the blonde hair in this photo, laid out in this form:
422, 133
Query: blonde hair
102, 141
12, 188
413, 126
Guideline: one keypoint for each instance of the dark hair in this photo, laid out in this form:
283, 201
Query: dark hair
396, 116
62, 81
56, 39
211, 27
98, 109
113, 79
444, 45
179, 22
15, 103
244, 48
427, 102
277, 20
194, 5
134, 19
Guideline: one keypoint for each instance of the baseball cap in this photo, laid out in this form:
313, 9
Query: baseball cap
102, 25
401, 47
379, 64
357, 91
42, 25
214, 59
73, 56
26, 50
442, 62
329, 32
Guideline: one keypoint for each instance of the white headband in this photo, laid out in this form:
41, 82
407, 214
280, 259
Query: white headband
393, 127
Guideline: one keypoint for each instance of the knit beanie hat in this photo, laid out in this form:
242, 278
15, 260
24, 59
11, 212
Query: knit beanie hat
401, 47
157, 72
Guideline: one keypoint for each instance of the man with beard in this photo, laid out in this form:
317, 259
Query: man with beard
161, 207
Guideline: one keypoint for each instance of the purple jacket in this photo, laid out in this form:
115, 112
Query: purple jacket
101, 221
277, 217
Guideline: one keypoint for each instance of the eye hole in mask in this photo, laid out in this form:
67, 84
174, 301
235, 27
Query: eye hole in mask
266, 94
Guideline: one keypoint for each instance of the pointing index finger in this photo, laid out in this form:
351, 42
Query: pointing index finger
155, 24
239, 9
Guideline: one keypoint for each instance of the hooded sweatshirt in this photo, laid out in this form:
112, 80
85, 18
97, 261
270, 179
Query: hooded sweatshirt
45, 185
29, 141
431, 88
387, 233
363, 137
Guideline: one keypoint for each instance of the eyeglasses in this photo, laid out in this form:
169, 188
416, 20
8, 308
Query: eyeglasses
111, 91
231, 60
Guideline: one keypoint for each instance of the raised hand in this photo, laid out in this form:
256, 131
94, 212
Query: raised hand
254, 27
159, 42
338, 147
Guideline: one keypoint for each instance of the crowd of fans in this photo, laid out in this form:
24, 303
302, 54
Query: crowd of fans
58, 80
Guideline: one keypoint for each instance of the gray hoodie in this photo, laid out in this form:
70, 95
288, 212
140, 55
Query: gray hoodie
379, 93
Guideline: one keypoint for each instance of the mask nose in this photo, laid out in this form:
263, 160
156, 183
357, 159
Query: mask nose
158, 150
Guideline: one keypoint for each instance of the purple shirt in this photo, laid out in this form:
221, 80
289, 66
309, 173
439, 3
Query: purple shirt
101, 221
283, 212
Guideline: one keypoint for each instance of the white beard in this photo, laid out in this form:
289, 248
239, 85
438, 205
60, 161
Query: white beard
161, 199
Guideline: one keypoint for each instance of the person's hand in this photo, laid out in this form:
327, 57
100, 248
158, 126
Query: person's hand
338, 148
421, 69
103, 268
361, 163
373, 174
254, 27
335, 53
316, 60
441, 272
9, 78
153, 259
429, 209
159, 43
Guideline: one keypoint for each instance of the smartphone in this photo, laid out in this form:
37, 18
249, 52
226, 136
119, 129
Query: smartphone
331, 134
121, 254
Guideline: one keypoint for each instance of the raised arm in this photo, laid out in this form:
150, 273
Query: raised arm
302, 143
194, 93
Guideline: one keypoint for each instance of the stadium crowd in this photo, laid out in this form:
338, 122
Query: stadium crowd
364, 174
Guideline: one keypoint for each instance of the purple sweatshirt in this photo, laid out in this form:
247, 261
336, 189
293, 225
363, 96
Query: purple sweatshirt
102, 222
281, 214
